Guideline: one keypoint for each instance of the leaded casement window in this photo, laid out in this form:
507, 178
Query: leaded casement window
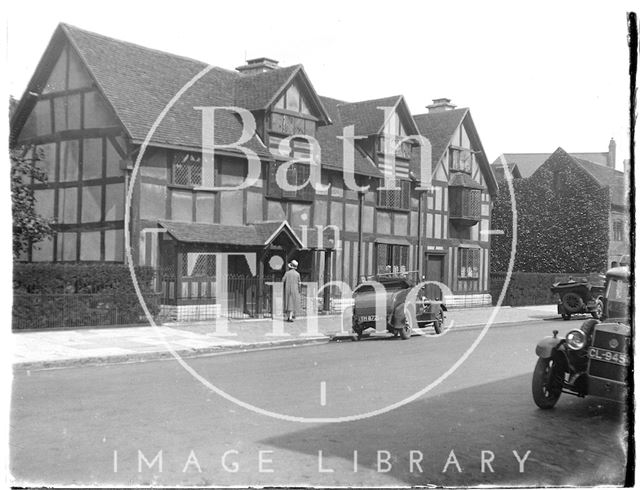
391, 258
464, 203
469, 263
297, 174
399, 199
186, 168
460, 159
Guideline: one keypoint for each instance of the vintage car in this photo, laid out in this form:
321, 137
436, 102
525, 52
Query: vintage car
592, 360
580, 297
396, 316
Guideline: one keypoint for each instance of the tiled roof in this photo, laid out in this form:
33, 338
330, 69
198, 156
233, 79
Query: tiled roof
607, 176
365, 115
439, 127
213, 233
331, 146
139, 82
528, 163
256, 234
461, 179
254, 92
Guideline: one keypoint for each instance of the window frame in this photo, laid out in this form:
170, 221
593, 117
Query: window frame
404, 199
194, 157
396, 253
470, 259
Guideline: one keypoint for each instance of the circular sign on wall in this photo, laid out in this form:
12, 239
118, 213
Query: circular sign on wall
276, 262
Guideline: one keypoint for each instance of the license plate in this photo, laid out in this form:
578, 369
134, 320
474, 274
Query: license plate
608, 356
368, 318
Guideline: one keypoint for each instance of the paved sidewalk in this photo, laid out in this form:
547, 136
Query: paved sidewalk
41, 349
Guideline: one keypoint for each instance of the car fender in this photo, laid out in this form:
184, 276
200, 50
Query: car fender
546, 346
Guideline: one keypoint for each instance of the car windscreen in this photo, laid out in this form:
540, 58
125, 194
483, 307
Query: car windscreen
618, 291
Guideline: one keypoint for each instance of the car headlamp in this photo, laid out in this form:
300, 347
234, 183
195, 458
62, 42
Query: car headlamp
576, 339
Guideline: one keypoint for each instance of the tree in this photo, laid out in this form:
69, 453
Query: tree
28, 226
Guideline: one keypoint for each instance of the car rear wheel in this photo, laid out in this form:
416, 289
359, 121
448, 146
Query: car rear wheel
566, 316
437, 324
546, 385
572, 302
405, 331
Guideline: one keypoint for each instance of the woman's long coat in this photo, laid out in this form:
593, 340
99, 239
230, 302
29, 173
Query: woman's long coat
291, 286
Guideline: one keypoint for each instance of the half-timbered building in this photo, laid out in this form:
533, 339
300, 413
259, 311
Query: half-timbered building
106, 113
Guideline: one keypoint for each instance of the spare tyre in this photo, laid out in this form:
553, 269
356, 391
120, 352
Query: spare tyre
572, 302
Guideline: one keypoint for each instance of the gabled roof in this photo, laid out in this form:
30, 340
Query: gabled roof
439, 127
529, 163
332, 148
139, 82
600, 174
259, 91
257, 234
368, 119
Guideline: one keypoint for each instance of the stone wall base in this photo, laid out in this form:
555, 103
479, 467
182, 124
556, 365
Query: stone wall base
190, 313
467, 300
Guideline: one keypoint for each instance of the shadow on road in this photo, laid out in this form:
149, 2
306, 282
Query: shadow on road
580, 442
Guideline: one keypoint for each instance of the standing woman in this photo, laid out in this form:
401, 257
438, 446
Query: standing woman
291, 287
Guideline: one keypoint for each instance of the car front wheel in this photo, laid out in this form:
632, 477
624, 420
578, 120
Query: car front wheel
546, 384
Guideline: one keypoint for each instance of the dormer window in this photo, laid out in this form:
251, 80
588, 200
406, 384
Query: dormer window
292, 101
395, 132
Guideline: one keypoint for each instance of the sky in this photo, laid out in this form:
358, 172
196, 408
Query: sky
536, 75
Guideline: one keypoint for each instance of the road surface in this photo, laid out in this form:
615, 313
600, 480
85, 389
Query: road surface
153, 423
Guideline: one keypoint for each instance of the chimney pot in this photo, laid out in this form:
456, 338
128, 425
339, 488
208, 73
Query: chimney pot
258, 65
611, 157
440, 105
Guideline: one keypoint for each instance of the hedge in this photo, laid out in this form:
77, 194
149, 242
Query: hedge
563, 221
72, 295
531, 288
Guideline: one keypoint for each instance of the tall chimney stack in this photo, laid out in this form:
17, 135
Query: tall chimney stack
258, 65
611, 157
440, 105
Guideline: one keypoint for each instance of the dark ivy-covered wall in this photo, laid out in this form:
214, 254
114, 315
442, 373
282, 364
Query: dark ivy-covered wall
562, 221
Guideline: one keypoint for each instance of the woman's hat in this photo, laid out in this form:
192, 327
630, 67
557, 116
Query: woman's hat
293, 264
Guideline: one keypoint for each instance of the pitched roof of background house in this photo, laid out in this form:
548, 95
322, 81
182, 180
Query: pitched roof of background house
601, 174
607, 176
528, 163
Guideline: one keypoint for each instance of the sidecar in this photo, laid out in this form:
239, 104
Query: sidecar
577, 297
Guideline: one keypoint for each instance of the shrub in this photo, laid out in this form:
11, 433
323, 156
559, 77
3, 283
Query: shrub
563, 221
70, 295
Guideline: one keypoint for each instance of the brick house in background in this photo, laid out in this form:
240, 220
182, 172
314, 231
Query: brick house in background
91, 104
599, 168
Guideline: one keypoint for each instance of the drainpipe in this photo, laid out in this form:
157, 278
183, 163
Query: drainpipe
360, 216
419, 252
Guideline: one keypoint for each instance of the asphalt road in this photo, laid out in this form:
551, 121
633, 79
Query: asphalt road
107, 424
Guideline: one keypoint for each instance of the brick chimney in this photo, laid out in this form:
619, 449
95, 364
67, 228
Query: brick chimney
258, 65
440, 105
611, 157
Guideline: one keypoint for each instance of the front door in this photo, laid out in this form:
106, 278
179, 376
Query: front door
434, 272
